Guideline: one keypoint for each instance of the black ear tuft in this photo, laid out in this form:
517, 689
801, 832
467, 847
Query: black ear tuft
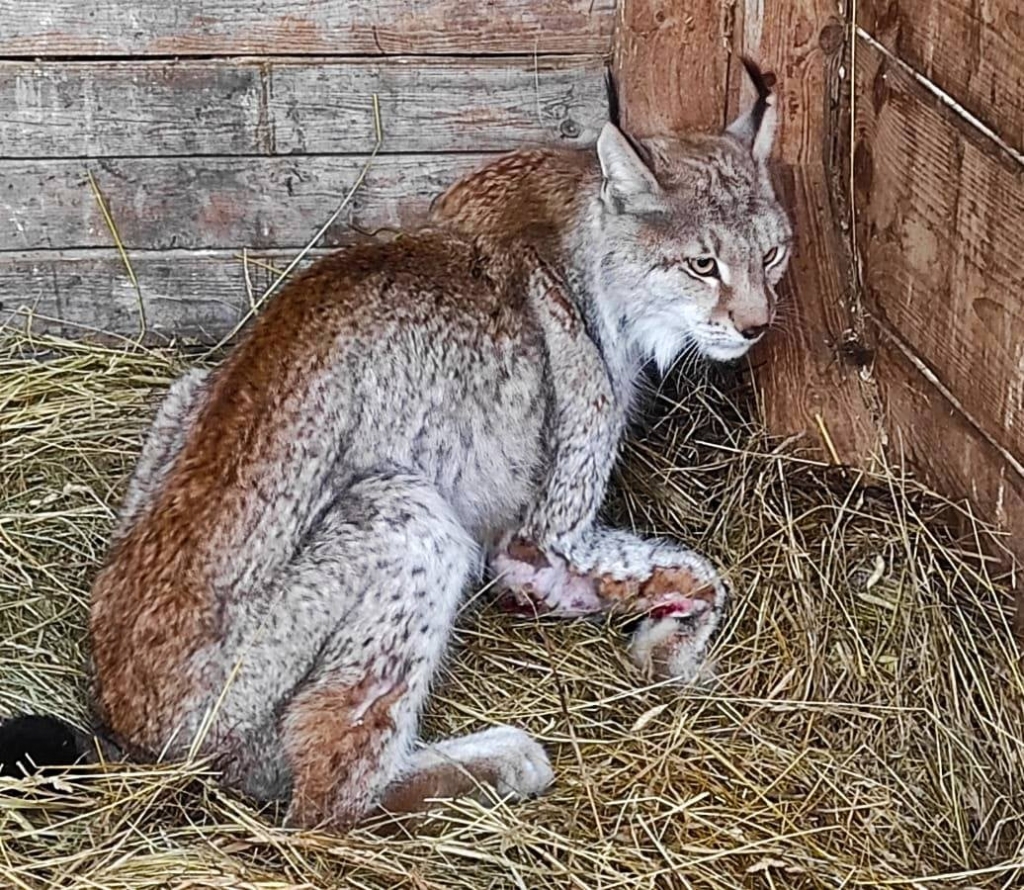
755, 129
615, 115
763, 83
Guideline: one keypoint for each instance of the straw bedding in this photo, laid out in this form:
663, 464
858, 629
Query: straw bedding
863, 730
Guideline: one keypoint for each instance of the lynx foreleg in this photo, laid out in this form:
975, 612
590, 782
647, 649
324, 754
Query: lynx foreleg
561, 562
679, 596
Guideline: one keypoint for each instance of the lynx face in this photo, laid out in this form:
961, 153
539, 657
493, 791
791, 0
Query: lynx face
693, 239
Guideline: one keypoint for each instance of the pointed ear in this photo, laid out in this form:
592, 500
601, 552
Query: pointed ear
755, 130
625, 174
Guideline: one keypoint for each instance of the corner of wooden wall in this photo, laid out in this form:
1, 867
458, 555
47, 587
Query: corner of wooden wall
938, 159
676, 66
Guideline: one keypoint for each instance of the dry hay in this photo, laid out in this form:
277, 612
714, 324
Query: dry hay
865, 729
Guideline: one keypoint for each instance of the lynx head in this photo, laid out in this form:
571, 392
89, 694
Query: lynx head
691, 240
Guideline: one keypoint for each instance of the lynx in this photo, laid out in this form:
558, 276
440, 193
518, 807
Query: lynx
405, 417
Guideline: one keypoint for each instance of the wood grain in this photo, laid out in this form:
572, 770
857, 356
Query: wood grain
296, 106
803, 44
207, 202
940, 210
806, 373
947, 451
671, 64
192, 295
972, 51
366, 27
810, 368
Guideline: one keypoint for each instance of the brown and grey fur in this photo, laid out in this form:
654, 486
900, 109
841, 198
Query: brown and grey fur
304, 520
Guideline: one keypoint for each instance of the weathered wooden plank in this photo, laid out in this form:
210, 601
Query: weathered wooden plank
53, 109
972, 51
187, 295
949, 453
940, 212
438, 105
296, 106
808, 374
671, 65
200, 203
808, 371
363, 27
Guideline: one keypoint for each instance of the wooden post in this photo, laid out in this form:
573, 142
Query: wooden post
676, 65
671, 65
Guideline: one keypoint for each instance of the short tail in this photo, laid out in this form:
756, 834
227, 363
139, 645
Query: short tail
39, 745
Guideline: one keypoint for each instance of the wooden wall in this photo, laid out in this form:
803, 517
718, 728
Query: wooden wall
678, 64
216, 126
938, 163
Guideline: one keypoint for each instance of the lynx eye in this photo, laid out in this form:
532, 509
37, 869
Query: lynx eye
773, 257
703, 266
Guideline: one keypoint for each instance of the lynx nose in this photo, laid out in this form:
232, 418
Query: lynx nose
754, 331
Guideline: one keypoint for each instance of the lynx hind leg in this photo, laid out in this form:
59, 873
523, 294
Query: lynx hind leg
348, 733
164, 440
501, 763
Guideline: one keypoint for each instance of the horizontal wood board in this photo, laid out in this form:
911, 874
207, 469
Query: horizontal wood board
356, 27
190, 295
296, 106
221, 154
215, 202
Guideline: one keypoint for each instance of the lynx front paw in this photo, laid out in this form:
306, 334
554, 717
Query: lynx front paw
532, 582
676, 631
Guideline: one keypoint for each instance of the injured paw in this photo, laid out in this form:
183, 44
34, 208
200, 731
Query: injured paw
674, 588
532, 582
675, 633
682, 608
